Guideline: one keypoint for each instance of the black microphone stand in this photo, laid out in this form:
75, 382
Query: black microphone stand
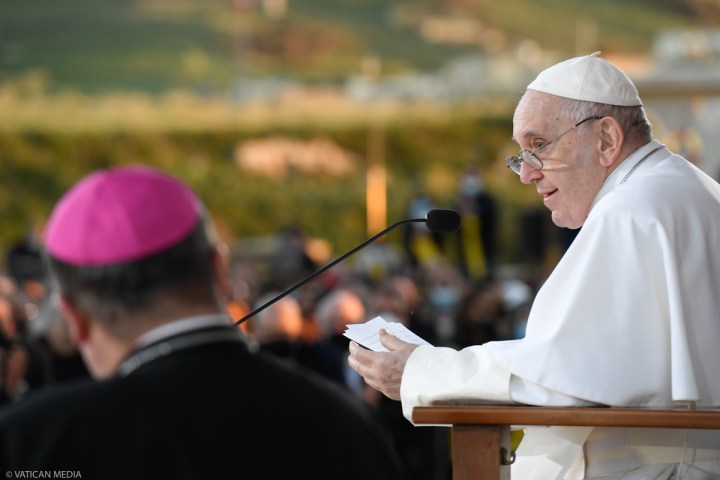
331, 264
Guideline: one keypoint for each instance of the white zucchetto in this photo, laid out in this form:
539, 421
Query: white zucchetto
588, 78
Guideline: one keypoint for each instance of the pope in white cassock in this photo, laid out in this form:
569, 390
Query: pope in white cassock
631, 314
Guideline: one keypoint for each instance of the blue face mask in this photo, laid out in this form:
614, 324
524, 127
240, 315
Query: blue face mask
444, 297
471, 186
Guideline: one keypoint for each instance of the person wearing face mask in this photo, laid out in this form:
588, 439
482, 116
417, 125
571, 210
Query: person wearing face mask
628, 317
474, 245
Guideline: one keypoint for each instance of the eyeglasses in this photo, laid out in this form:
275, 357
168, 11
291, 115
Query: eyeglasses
514, 162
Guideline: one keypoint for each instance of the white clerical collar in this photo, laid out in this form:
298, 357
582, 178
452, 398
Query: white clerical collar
620, 173
617, 176
182, 325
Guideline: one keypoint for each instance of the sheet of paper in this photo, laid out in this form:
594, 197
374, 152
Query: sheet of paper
367, 334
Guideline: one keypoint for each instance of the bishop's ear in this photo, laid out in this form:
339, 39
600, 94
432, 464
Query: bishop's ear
220, 270
611, 141
76, 320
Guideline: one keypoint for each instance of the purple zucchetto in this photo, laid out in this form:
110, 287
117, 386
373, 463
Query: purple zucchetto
121, 214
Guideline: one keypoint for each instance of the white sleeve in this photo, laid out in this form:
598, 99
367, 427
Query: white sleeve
529, 393
444, 375
440, 375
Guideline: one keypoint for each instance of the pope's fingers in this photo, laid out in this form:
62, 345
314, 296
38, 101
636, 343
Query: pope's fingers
360, 359
353, 358
391, 342
367, 363
362, 355
381, 370
357, 353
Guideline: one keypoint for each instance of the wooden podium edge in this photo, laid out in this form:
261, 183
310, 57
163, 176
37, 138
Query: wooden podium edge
567, 416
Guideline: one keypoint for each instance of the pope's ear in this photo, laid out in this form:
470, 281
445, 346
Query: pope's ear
76, 320
612, 138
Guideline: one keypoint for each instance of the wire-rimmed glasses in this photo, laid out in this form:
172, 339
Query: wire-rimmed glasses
530, 157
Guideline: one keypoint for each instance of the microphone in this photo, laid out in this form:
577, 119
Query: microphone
438, 220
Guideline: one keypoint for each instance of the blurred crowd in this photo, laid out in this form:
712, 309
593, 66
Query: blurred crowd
444, 288
36, 349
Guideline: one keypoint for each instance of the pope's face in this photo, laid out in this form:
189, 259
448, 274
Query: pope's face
571, 175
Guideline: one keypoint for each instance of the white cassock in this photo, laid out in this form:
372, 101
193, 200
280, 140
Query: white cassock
629, 317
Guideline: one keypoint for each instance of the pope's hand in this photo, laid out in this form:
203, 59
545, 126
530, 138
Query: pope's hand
382, 370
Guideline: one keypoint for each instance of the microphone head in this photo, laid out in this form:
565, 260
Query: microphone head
442, 220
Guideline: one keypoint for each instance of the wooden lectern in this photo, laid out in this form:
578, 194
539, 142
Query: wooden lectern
481, 434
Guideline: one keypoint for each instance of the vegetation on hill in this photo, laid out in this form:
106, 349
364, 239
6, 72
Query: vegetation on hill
156, 45
92, 83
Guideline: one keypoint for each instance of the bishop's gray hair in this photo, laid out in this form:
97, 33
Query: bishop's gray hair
112, 294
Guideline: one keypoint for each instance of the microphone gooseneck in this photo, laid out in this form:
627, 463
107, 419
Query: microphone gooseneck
437, 220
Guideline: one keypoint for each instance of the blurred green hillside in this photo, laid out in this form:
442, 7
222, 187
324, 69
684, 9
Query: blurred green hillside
155, 45
92, 83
